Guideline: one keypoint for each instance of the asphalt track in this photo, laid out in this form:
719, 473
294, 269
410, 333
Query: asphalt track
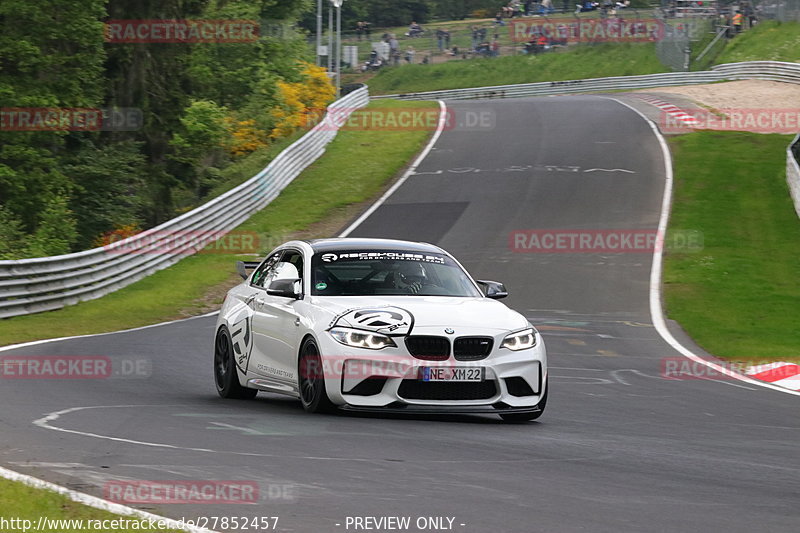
618, 449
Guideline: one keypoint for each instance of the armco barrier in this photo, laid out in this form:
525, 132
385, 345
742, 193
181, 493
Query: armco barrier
793, 172
33, 285
45, 283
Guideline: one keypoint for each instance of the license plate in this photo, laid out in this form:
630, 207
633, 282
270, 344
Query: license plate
446, 373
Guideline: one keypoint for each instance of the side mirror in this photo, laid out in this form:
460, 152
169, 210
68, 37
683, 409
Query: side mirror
493, 289
243, 266
284, 288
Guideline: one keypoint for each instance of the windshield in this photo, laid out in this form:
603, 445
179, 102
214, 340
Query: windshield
388, 273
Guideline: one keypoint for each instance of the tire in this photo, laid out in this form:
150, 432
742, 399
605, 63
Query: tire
526, 417
311, 379
226, 375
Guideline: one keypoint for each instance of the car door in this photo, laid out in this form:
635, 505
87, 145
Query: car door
241, 322
276, 322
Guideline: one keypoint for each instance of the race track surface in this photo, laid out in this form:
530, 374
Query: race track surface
618, 449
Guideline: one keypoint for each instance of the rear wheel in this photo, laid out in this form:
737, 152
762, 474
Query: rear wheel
225, 373
312, 379
525, 417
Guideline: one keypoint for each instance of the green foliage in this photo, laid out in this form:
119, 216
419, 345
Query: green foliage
56, 230
109, 187
12, 238
53, 55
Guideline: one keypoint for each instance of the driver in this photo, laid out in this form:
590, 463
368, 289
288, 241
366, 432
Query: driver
411, 276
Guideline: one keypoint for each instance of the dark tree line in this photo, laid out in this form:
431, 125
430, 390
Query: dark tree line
60, 190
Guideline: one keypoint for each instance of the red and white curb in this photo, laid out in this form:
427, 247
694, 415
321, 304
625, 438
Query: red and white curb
782, 374
676, 112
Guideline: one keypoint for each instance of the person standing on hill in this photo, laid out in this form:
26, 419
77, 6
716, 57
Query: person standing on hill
738, 19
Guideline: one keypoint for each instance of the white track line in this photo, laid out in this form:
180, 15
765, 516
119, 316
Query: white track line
45, 341
656, 310
411, 169
80, 497
97, 503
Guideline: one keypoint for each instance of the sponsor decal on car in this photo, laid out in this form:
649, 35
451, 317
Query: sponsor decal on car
388, 320
394, 256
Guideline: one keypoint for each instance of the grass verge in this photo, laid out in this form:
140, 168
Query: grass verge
739, 297
767, 41
357, 166
21, 503
585, 61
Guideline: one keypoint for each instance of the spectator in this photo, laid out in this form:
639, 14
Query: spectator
394, 49
359, 30
495, 48
476, 39
440, 38
547, 7
414, 30
527, 7
738, 19
498, 19
410, 54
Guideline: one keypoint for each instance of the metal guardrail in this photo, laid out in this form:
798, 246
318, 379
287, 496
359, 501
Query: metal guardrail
543, 88
46, 283
764, 70
793, 172
41, 284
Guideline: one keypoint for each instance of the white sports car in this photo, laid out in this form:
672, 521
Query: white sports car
377, 325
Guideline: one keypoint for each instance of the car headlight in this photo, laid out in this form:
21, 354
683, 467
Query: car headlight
361, 339
521, 340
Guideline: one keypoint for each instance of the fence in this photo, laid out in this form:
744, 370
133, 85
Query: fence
45, 283
782, 10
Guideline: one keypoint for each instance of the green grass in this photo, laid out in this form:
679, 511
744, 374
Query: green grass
584, 61
26, 503
355, 168
767, 41
739, 298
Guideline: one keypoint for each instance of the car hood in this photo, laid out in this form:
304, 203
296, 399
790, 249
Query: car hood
399, 314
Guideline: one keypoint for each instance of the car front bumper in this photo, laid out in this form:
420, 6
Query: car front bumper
390, 380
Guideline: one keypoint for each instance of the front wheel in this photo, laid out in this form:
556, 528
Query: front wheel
225, 373
525, 417
312, 379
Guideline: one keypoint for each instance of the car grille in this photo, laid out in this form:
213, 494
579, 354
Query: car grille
472, 348
428, 347
412, 389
